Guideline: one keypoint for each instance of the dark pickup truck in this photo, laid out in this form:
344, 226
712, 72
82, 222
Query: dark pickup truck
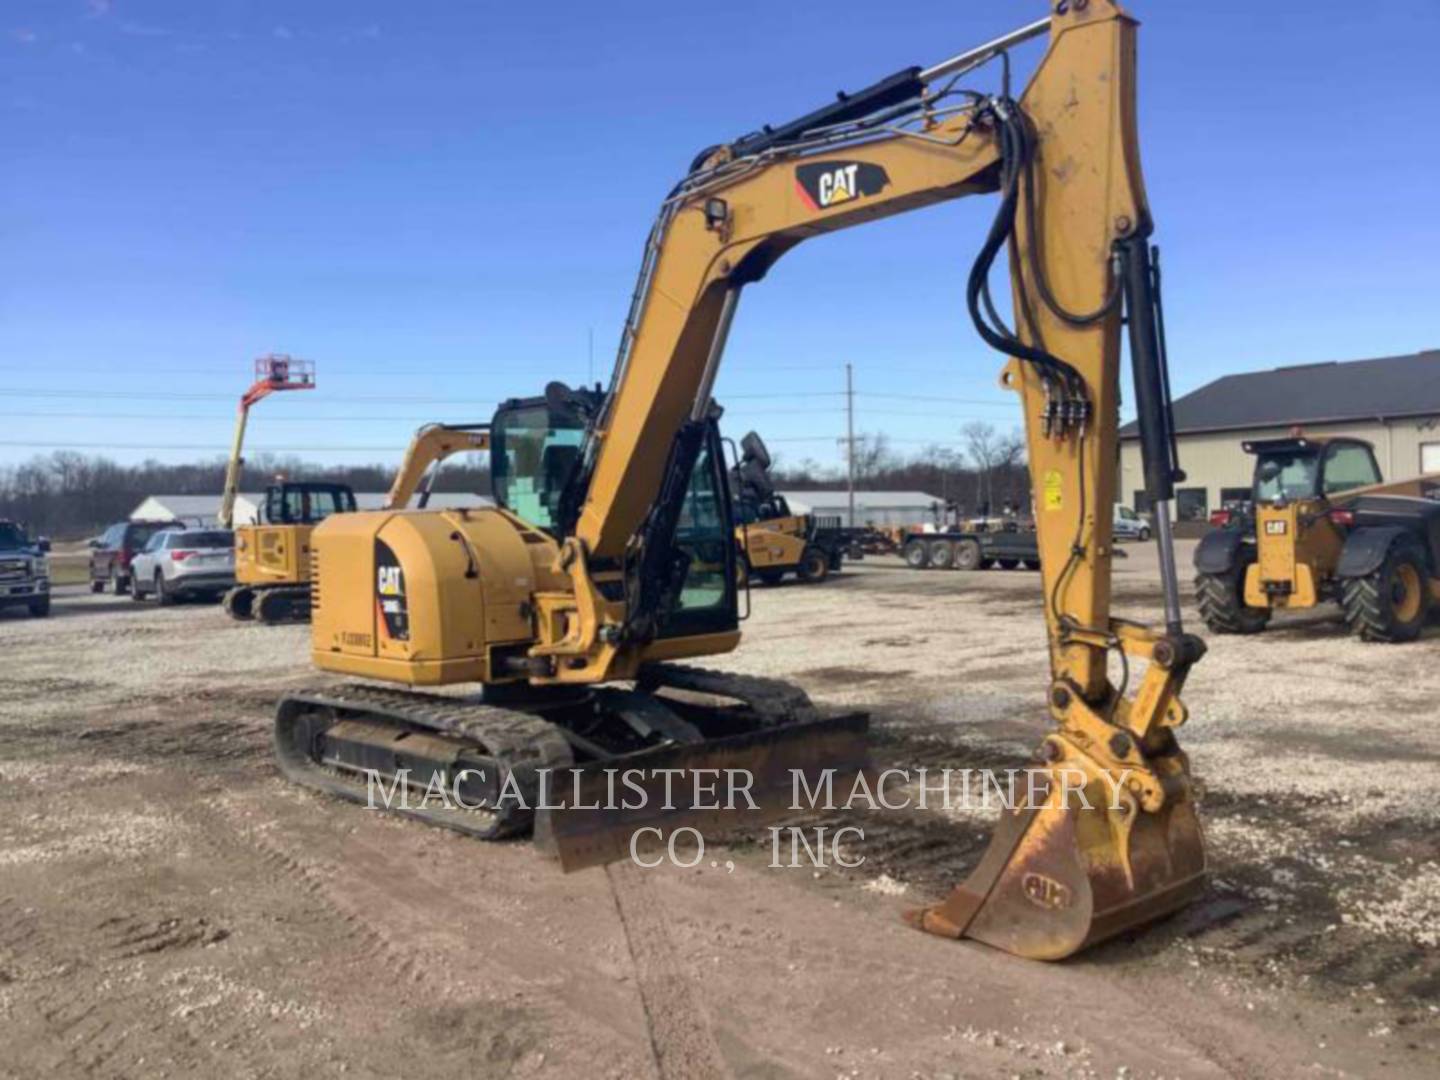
24, 570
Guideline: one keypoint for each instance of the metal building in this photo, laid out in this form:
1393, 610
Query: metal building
204, 509
871, 507
1392, 402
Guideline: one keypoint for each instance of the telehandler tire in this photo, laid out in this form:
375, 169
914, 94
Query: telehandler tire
1389, 605
814, 566
1221, 599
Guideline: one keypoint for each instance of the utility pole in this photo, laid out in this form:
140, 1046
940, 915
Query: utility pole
850, 435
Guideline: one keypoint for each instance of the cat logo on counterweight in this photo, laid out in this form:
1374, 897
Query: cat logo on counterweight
823, 184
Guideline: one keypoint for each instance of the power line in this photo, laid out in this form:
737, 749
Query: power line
208, 447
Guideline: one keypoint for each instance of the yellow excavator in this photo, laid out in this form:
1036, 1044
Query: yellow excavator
610, 556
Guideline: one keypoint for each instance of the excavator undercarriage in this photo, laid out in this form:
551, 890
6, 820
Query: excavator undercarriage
556, 763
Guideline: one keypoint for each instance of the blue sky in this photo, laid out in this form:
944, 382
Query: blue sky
439, 203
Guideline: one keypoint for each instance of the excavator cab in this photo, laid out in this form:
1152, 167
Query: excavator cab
536, 452
306, 503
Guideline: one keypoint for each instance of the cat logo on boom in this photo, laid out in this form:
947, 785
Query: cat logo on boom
823, 184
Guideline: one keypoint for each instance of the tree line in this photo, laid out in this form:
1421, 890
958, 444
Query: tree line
983, 475
70, 496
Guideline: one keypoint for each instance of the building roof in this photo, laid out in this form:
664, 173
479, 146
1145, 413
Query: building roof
1383, 389
829, 500
156, 507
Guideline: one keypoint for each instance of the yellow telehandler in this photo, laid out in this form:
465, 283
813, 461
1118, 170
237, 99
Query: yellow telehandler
1323, 526
610, 554
773, 540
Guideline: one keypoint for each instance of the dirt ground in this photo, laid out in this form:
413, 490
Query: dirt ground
170, 907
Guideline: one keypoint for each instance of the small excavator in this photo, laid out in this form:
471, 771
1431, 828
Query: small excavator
609, 557
272, 556
1323, 525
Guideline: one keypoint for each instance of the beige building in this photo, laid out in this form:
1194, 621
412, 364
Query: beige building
1392, 403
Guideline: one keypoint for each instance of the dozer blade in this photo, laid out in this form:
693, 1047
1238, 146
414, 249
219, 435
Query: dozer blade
1061, 877
602, 811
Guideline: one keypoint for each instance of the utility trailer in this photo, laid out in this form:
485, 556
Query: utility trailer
957, 549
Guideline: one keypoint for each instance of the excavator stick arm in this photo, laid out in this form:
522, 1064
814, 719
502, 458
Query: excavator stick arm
1073, 215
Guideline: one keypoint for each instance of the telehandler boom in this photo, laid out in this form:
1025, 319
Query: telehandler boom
611, 553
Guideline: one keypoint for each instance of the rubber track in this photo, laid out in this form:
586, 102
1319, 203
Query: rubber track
296, 599
523, 742
776, 701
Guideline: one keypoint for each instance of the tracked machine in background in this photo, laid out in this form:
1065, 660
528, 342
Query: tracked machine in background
610, 559
1323, 526
272, 556
773, 540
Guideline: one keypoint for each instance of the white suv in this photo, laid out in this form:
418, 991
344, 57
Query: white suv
184, 562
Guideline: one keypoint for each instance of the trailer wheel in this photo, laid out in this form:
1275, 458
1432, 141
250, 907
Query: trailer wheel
1008, 564
968, 556
1032, 564
1389, 605
916, 554
814, 566
942, 554
1221, 599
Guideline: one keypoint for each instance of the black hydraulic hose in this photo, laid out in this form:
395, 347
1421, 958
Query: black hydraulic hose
1037, 269
1052, 368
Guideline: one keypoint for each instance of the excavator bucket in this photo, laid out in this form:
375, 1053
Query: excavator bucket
739, 782
1072, 872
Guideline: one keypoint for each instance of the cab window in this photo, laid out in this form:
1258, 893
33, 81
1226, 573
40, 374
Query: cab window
702, 534
1286, 475
534, 452
1347, 467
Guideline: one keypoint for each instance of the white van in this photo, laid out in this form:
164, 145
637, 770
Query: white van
1130, 525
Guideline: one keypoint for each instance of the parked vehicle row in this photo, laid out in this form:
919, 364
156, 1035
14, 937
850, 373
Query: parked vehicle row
163, 559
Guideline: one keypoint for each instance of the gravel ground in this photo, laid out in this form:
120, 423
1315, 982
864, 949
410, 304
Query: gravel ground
168, 906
